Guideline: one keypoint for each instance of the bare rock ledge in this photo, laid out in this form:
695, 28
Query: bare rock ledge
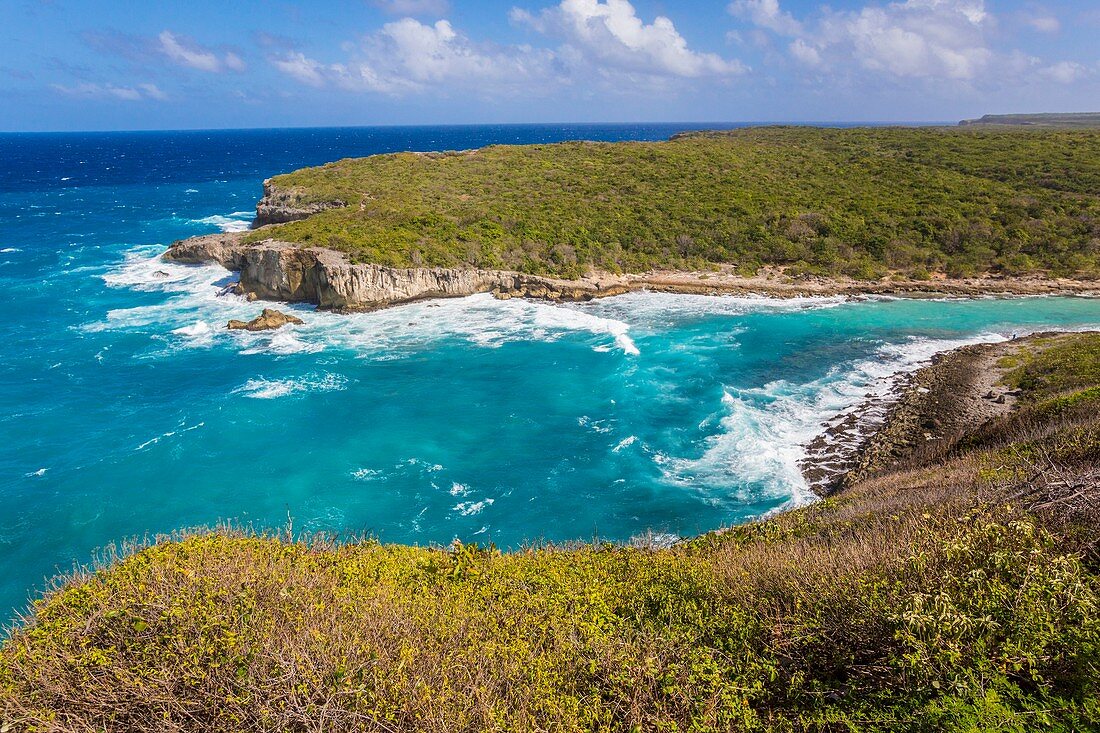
268, 320
274, 270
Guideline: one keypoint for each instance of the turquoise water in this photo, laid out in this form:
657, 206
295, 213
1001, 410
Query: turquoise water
131, 410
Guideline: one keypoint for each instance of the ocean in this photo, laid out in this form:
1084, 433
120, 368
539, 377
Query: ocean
131, 411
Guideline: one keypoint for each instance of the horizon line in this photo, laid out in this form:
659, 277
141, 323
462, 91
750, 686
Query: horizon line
712, 124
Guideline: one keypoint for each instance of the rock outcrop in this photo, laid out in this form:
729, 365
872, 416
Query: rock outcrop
268, 320
225, 249
280, 205
274, 270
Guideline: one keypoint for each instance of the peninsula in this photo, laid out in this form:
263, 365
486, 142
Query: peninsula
772, 210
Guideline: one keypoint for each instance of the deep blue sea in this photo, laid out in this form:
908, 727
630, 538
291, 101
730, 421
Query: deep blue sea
129, 409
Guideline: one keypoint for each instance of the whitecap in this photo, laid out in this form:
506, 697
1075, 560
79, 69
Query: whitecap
235, 222
471, 508
625, 443
761, 443
9, 250
269, 389
197, 334
283, 341
181, 429
39, 472
458, 489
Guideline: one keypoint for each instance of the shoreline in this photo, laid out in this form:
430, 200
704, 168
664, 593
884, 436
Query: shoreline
921, 416
272, 270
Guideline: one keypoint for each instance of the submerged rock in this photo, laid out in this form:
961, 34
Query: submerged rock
268, 320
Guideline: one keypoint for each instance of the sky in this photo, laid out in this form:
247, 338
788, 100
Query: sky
147, 64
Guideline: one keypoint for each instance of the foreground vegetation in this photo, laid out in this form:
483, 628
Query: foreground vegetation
957, 592
867, 203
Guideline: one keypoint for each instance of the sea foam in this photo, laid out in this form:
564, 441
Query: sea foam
764, 431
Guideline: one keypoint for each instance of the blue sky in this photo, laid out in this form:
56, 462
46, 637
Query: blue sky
127, 64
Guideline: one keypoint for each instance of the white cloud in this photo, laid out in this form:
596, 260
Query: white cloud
152, 91
195, 56
610, 35
1065, 72
1044, 23
413, 7
112, 91
920, 38
305, 70
915, 39
766, 14
407, 55
805, 53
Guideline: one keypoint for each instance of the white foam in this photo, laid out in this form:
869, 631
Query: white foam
625, 443
181, 429
283, 341
480, 320
764, 431
470, 508
458, 489
238, 221
198, 334
9, 250
664, 309
38, 473
270, 389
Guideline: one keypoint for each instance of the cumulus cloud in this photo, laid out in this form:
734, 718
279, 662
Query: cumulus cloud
413, 7
766, 14
297, 66
610, 35
190, 54
918, 38
112, 91
1065, 72
407, 55
931, 40
602, 40
804, 52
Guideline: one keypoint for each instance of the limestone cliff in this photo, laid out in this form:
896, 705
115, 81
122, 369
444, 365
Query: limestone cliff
274, 270
280, 205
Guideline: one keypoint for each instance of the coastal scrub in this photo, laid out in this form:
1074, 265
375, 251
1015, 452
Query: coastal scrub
863, 203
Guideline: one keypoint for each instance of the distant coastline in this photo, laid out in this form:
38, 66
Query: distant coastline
778, 211
278, 271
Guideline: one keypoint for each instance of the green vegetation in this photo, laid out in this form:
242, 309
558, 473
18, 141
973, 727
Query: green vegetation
1043, 119
1057, 367
958, 594
864, 202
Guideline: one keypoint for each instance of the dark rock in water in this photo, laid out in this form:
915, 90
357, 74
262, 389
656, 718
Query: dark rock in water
161, 274
231, 289
268, 320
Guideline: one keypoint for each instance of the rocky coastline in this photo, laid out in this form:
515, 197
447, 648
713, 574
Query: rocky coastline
923, 415
282, 271
276, 270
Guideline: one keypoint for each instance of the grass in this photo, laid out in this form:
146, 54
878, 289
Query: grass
960, 595
857, 202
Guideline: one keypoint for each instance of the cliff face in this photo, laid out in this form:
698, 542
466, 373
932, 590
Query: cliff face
280, 205
273, 270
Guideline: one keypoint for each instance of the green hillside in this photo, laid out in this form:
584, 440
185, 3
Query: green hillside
860, 202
